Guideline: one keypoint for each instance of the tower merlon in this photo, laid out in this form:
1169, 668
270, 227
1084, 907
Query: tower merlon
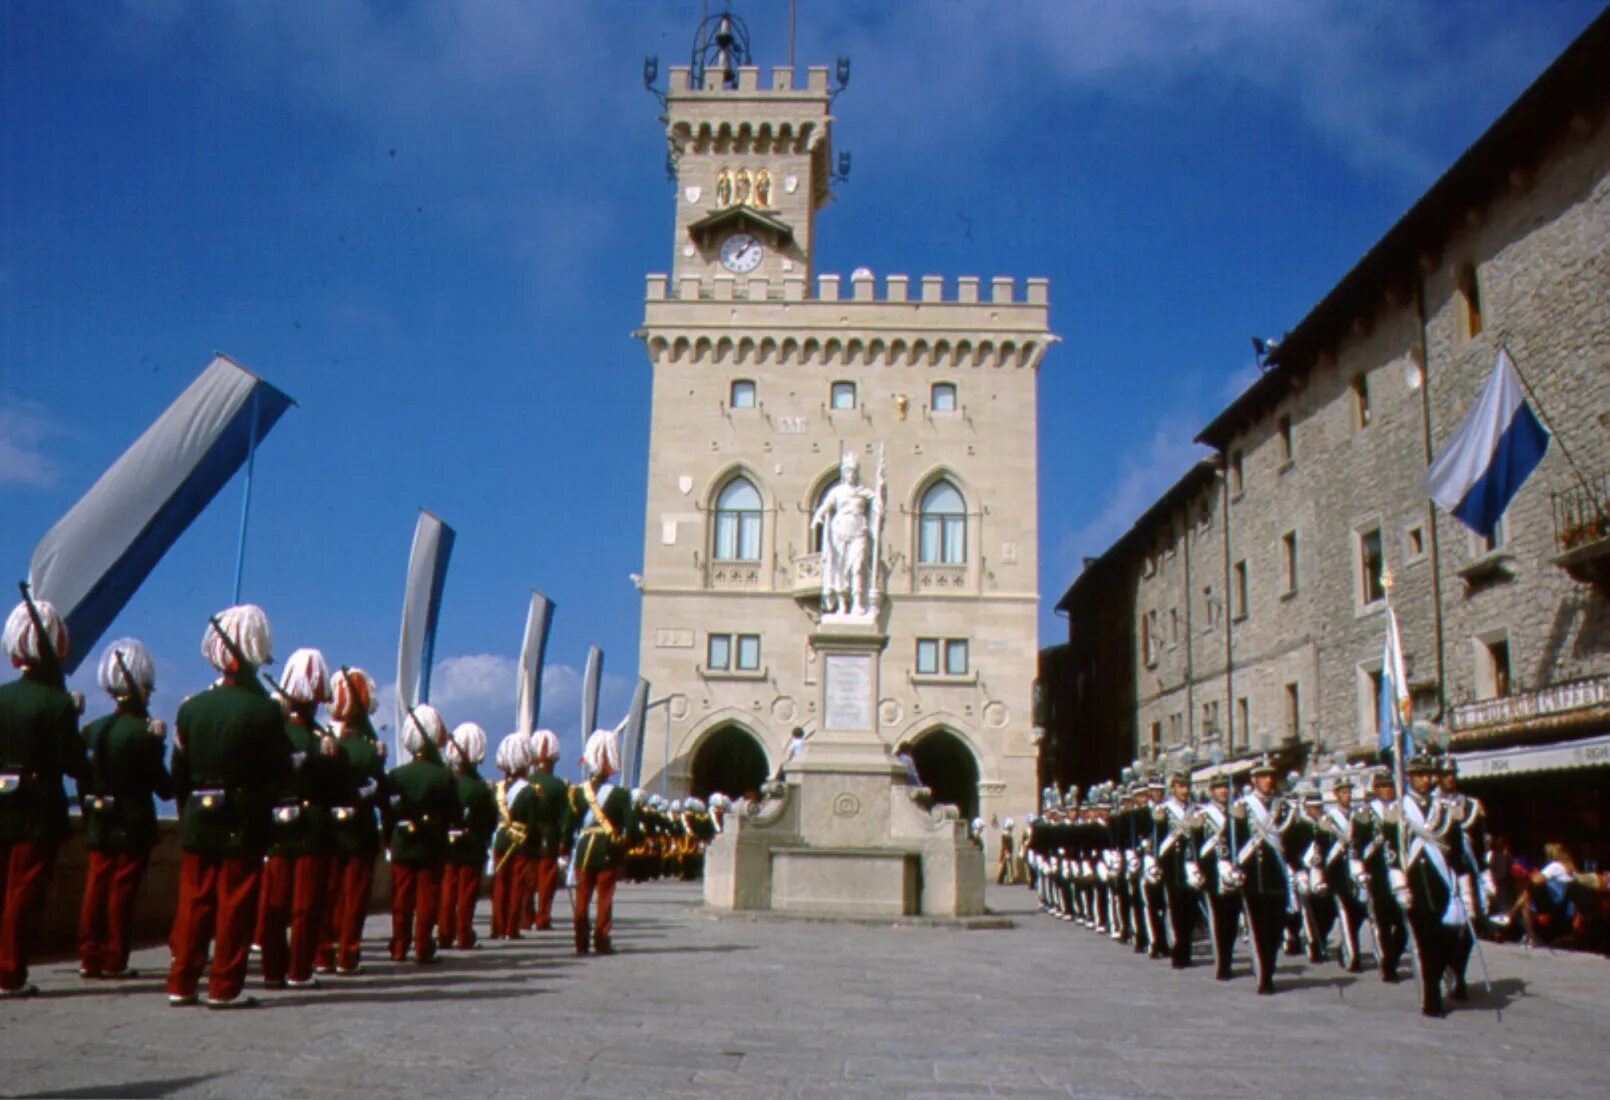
680, 83
694, 287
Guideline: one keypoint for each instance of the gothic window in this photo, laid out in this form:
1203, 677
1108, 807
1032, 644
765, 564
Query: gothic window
738, 521
942, 533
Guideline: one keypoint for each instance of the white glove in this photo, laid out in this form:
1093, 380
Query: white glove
1355, 867
1154, 873
1193, 876
1229, 875
1400, 887
1299, 881
1317, 884
157, 728
1132, 863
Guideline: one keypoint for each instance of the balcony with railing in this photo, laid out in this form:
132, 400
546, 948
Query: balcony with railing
1546, 709
1582, 530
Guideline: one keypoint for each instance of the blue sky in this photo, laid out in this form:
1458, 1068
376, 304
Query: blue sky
429, 223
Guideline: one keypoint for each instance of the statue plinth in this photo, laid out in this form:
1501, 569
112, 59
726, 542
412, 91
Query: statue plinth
843, 834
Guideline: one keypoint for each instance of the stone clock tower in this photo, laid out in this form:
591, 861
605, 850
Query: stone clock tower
766, 375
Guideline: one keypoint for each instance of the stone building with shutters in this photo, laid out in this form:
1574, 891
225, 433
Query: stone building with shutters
1311, 501
765, 372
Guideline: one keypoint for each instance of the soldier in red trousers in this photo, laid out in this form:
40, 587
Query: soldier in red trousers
117, 791
39, 743
230, 757
358, 791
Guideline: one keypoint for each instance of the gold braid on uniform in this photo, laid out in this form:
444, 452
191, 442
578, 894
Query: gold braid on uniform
515, 829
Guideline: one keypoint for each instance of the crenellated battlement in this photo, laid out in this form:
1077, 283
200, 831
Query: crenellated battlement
965, 290
782, 82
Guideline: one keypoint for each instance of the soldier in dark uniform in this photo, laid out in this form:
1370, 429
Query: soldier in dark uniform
701, 831
297, 871
467, 839
357, 790
543, 809
1216, 851
421, 802
117, 792
230, 756
1307, 927
39, 744
1258, 819
1177, 865
604, 811
1476, 883
1154, 902
1342, 870
1425, 881
1376, 859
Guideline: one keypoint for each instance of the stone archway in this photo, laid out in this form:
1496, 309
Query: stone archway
730, 760
947, 767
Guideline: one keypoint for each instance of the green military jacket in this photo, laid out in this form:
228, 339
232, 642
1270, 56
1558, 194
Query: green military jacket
543, 807
39, 744
470, 836
358, 783
124, 777
230, 757
302, 821
421, 802
599, 846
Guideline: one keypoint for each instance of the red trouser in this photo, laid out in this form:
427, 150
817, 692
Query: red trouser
545, 872
507, 876
111, 884
461, 884
293, 899
217, 904
602, 881
346, 904
415, 900
25, 867
528, 907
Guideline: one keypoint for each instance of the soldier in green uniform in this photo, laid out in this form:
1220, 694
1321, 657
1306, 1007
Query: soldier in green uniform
508, 869
357, 789
117, 792
230, 756
542, 808
604, 811
296, 874
421, 802
39, 743
467, 838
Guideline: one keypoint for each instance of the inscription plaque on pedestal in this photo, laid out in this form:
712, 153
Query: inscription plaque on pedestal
847, 691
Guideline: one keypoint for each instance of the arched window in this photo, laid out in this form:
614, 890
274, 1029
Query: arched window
942, 536
738, 521
943, 397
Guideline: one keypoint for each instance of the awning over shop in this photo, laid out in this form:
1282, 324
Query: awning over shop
1230, 768
1591, 752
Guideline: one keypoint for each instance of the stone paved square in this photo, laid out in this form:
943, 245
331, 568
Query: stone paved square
770, 1008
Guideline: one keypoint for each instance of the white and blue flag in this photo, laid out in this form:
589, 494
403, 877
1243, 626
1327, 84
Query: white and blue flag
1394, 705
1494, 451
96, 556
422, 606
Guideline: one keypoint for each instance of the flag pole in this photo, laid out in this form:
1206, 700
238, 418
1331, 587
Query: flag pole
1548, 422
246, 496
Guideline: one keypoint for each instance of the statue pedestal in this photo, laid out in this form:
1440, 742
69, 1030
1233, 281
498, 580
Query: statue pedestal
844, 834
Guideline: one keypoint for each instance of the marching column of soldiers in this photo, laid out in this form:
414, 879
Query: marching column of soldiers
282, 817
1301, 871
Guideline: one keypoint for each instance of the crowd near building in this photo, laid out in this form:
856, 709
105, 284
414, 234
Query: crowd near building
1243, 614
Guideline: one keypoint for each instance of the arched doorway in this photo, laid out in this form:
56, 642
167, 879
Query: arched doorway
731, 761
947, 767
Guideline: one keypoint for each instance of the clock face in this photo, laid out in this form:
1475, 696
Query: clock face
740, 253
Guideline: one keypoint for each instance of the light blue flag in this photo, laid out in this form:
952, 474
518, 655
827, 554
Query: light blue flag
422, 605
96, 556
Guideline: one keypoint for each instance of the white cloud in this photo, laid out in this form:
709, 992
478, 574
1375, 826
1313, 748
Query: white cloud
1148, 469
24, 428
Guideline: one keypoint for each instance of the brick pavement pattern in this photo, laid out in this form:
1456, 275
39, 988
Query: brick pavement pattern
769, 1008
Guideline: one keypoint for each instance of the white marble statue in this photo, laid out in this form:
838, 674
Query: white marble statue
853, 515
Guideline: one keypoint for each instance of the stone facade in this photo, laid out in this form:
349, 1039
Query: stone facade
1317, 502
768, 375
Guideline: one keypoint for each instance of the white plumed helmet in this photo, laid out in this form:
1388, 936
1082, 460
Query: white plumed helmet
471, 741
514, 753
603, 748
247, 626
544, 745
422, 726
22, 637
352, 692
137, 659
306, 677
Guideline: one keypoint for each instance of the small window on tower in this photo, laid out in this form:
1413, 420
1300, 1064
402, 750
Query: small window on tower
843, 395
1470, 298
944, 397
743, 394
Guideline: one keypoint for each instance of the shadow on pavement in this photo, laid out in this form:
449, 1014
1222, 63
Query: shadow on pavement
129, 1090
